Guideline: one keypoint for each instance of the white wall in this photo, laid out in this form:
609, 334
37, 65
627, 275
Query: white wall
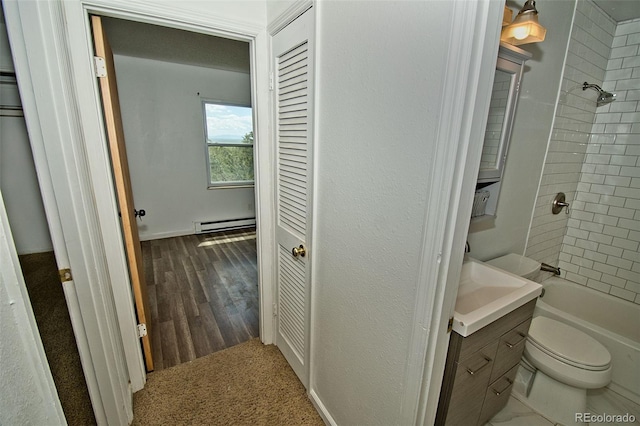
27, 394
532, 127
163, 122
380, 70
18, 179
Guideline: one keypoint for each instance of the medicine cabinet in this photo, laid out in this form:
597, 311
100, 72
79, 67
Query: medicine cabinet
504, 97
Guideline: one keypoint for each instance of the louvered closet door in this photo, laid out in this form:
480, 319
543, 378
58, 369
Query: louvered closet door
293, 77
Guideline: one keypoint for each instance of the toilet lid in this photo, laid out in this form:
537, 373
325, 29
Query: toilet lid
567, 343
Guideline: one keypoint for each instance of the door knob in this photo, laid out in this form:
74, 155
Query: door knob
299, 251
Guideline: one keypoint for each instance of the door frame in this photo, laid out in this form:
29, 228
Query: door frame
81, 55
64, 115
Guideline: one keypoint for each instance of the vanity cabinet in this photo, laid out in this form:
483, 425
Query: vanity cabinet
480, 369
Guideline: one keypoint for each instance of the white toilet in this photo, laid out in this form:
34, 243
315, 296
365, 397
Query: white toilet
567, 361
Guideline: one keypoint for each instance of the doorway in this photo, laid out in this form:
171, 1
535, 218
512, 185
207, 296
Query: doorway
202, 286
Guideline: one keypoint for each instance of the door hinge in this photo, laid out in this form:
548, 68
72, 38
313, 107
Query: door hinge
450, 325
142, 330
65, 275
270, 81
100, 66
275, 310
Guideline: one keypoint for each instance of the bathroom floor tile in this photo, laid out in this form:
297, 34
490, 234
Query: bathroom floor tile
605, 401
515, 413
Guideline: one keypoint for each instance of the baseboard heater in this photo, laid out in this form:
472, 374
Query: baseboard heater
224, 225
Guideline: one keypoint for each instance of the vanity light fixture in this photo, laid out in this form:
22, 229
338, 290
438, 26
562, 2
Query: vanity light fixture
525, 28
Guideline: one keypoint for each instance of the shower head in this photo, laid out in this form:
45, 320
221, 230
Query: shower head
603, 97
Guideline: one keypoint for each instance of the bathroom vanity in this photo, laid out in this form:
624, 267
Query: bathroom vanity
493, 312
480, 369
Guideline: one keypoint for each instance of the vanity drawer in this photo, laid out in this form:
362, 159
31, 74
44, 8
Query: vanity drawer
496, 329
471, 380
510, 348
497, 396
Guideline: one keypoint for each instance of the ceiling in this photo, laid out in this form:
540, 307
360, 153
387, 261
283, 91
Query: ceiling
148, 41
620, 10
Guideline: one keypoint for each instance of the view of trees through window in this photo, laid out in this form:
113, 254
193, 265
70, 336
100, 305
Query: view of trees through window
229, 144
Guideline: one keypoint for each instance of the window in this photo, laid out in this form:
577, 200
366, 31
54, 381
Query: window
229, 139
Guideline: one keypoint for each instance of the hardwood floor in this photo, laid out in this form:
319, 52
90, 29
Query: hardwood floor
203, 294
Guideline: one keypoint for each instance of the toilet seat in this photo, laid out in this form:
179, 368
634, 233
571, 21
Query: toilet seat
568, 344
567, 354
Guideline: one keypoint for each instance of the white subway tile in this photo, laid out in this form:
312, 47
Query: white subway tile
615, 231
605, 220
623, 52
633, 256
635, 236
614, 281
630, 171
607, 170
619, 262
617, 128
622, 160
628, 192
609, 250
598, 285
596, 208
628, 224
630, 117
625, 244
630, 203
634, 277
623, 293
612, 201
600, 238
576, 278
589, 245
595, 256
602, 189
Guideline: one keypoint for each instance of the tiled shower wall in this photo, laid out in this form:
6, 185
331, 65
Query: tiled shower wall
589, 48
600, 248
593, 158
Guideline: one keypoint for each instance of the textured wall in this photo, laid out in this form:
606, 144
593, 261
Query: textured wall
378, 107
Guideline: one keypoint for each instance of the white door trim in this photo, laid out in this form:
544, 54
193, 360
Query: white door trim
65, 112
474, 40
51, 118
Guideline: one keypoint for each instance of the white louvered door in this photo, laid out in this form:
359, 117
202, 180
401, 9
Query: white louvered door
293, 93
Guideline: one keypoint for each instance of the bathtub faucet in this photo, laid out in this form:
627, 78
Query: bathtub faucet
548, 268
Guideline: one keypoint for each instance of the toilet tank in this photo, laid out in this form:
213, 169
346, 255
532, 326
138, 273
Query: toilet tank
518, 265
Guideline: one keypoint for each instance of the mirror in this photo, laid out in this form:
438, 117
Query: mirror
502, 108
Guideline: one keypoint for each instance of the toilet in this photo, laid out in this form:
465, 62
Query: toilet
566, 362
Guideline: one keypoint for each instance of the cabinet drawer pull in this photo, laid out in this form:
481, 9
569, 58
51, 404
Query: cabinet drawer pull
487, 360
509, 383
522, 338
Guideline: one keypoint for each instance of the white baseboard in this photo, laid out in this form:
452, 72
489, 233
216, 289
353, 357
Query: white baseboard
322, 410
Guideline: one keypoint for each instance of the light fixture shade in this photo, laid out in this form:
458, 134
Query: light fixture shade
507, 16
525, 28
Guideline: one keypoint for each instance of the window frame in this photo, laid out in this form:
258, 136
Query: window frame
207, 144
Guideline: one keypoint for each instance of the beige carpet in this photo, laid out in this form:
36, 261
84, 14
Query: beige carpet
247, 384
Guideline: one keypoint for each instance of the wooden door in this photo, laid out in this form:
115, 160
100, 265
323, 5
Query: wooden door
120, 166
293, 78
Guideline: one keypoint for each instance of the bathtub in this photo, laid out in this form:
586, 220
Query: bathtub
612, 321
